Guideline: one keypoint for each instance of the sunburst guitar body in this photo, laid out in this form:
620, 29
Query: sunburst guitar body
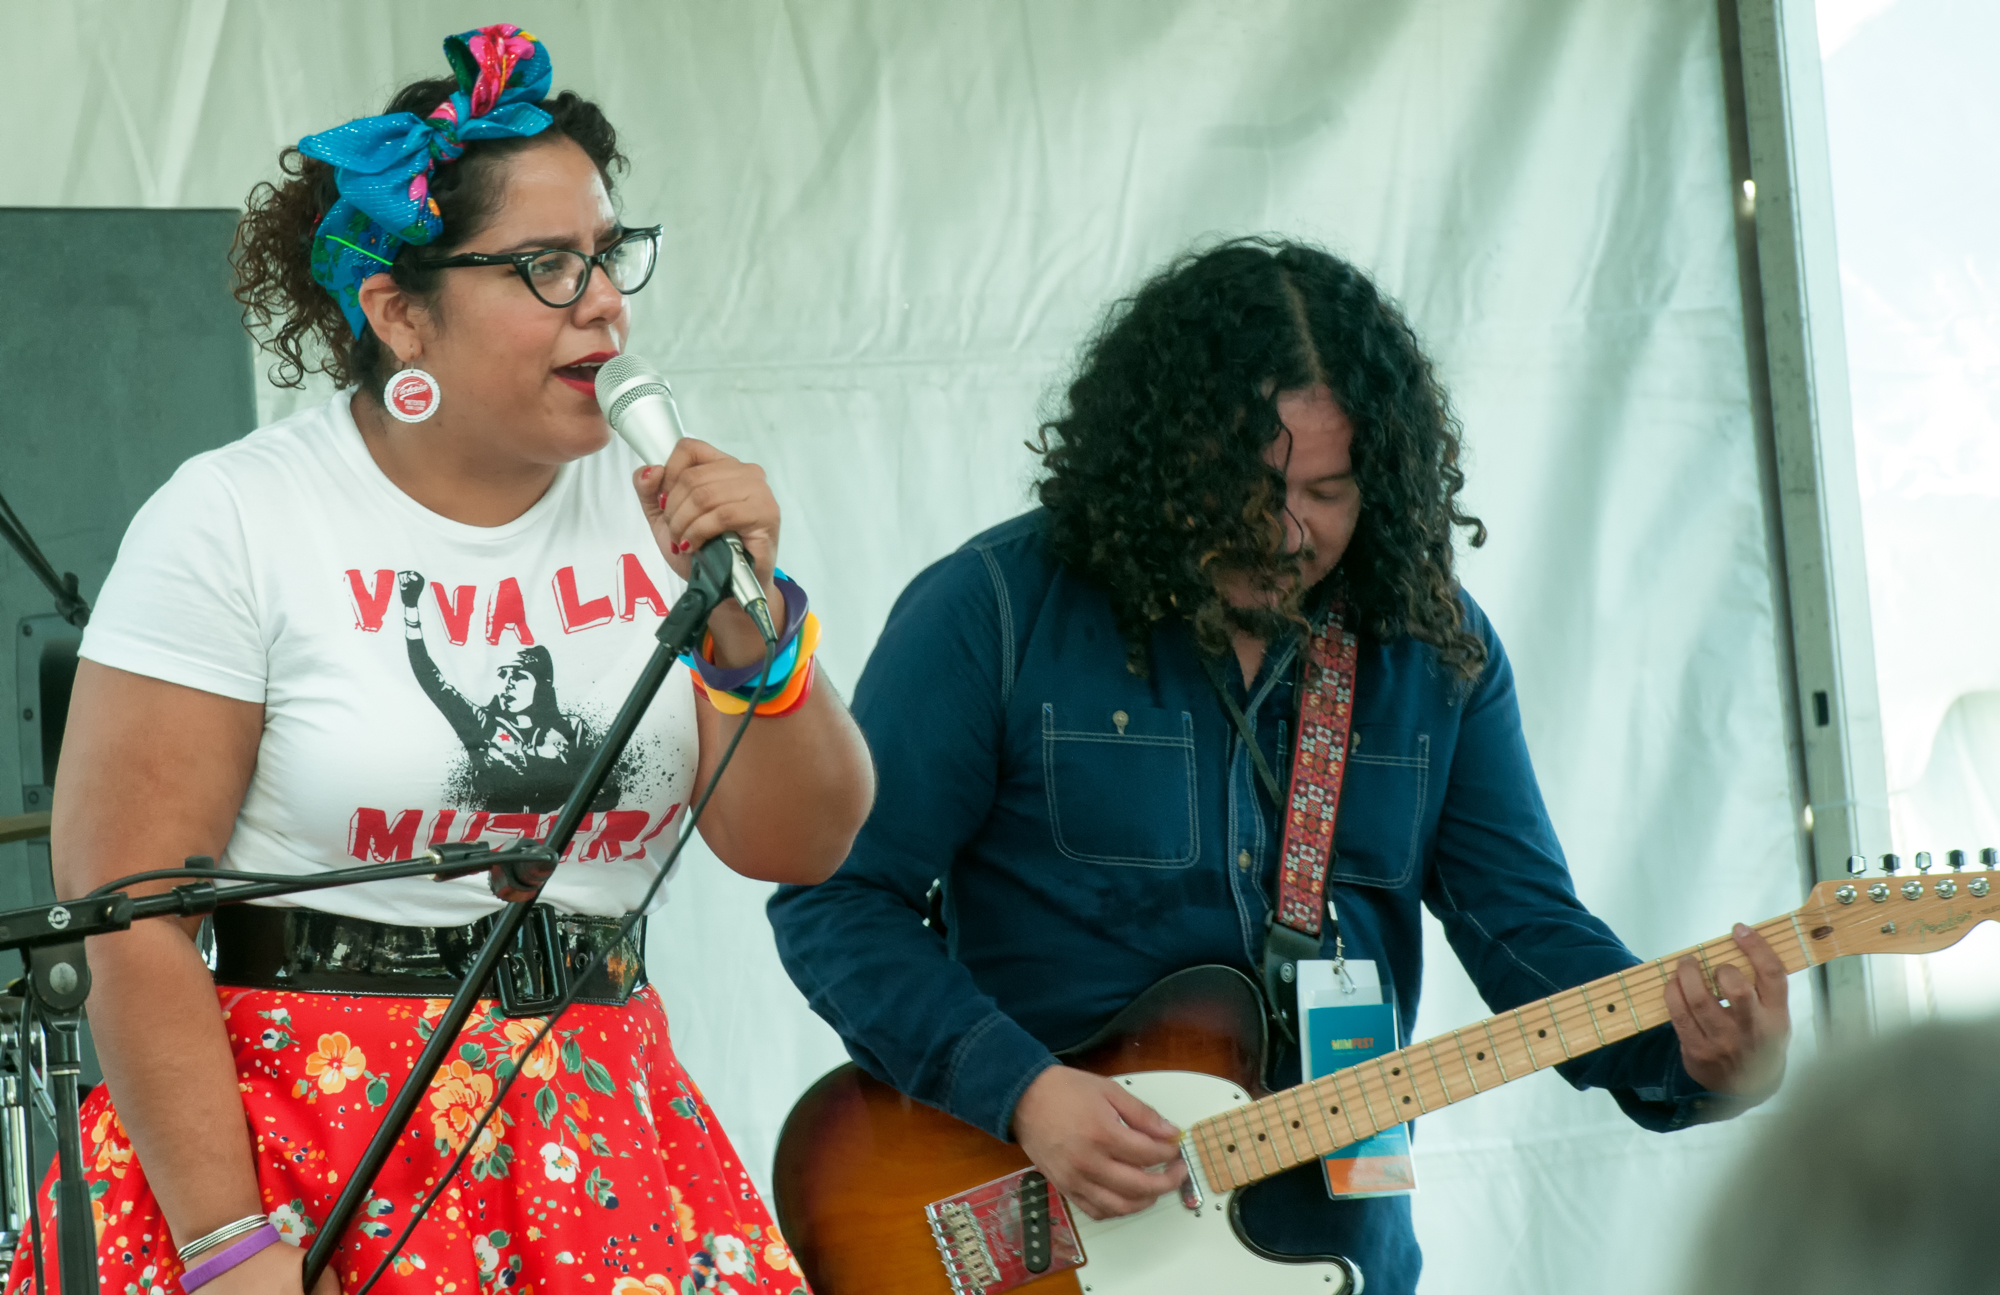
877, 1192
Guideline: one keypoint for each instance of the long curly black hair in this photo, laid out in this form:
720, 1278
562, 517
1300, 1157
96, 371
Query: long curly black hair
1154, 476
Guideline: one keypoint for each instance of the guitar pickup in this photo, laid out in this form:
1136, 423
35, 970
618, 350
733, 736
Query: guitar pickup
1034, 1195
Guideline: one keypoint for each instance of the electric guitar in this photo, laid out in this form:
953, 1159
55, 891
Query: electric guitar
877, 1192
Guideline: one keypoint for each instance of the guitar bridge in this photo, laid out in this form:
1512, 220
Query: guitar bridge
1003, 1234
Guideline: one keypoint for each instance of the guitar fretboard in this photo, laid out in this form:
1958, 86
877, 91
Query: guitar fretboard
1248, 1143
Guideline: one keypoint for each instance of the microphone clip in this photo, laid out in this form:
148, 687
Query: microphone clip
522, 868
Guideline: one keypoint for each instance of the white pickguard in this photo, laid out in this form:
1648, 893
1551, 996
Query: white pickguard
1171, 1250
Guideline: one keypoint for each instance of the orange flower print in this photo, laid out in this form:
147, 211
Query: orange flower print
335, 1062
114, 1153
458, 1094
656, 1284
778, 1255
544, 1061
683, 1214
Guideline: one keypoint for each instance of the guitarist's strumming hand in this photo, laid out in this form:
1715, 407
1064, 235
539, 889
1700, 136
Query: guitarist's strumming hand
1738, 1049
1101, 1147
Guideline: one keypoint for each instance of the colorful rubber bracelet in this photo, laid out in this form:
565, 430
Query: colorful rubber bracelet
217, 1264
743, 678
732, 704
782, 666
805, 692
784, 696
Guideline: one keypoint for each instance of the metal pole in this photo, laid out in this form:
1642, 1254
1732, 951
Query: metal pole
1797, 352
58, 982
76, 1229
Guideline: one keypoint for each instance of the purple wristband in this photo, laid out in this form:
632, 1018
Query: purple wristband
723, 680
217, 1264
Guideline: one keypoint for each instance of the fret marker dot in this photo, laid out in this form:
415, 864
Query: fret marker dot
1482, 1056
1260, 1137
1295, 1124
1232, 1148
1333, 1110
1406, 1101
1611, 1007
1397, 1071
1541, 1034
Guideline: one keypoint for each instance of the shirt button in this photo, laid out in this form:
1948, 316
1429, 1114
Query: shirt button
1243, 860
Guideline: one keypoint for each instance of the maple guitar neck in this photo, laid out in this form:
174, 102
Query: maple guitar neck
1254, 1141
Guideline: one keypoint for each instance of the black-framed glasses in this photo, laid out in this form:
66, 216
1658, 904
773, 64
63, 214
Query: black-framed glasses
558, 275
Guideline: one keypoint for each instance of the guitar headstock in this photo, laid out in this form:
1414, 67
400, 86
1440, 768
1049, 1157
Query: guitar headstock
1892, 911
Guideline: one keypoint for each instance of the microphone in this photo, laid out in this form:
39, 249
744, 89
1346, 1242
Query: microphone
640, 407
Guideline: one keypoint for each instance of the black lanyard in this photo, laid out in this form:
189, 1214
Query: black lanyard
1213, 666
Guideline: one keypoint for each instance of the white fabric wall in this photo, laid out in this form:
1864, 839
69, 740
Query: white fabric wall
1913, 116
890, 225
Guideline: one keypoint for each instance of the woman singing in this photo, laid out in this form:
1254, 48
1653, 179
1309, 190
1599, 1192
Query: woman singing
254, 688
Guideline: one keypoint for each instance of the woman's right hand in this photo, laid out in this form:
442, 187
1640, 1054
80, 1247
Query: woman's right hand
275, 1270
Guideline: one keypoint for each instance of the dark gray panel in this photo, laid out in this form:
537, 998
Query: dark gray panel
122, 353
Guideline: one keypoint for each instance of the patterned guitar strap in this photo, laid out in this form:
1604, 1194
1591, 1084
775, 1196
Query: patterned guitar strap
1319, 759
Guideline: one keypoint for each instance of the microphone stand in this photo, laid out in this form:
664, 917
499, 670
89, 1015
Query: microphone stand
58, 981
62, 587
708, 586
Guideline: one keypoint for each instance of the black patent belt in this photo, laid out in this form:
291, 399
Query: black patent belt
308, 952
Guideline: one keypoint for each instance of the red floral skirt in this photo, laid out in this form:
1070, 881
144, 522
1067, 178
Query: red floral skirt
604, 1170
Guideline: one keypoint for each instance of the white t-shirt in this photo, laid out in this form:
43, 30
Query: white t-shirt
268, 570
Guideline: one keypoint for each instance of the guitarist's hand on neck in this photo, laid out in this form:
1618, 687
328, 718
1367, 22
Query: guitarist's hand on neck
1738, 1049
1097, 1143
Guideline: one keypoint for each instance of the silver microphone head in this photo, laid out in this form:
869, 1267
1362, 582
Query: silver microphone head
639, 405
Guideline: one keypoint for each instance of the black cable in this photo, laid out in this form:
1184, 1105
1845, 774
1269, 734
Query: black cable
197, 874
625, 928
326, 880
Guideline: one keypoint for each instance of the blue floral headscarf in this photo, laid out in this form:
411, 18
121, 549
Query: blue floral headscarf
383, 165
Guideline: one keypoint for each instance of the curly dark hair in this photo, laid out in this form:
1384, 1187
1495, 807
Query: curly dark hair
298, 321
1154, 476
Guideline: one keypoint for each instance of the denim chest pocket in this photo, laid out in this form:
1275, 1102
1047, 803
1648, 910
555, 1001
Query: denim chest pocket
1378, 833
1120, 784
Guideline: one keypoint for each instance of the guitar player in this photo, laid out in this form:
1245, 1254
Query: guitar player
1255, 454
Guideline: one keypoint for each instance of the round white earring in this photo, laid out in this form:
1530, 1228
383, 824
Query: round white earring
411, 395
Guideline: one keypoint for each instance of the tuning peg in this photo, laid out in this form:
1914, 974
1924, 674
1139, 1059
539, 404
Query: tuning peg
1891, 862
1957, 860
1857, 864
1989, 858
1923, 861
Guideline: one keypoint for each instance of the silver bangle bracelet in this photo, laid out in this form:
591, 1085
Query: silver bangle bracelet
222, 1236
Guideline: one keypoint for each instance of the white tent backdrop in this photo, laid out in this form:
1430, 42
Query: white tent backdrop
890, 226
1913, 117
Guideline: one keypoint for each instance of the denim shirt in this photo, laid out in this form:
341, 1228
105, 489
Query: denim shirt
1097, 831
